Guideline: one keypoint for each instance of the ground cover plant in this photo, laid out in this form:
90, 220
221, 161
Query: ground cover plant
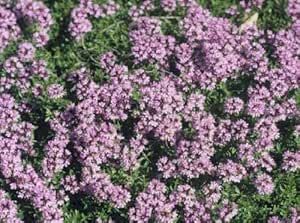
149, 111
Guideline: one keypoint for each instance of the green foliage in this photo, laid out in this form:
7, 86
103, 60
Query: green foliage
257, 208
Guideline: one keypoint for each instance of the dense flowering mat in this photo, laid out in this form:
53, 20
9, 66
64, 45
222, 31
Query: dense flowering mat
149, 111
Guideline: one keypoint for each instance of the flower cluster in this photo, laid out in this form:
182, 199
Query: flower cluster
149, 44
19, 176
9, 29
168, 5
8, 209
80, 17
22, 68
155, 203
160, 105
192, 125
234, 105
56, 91
57, 156
36, 12
291, 161
99, 185
264, 184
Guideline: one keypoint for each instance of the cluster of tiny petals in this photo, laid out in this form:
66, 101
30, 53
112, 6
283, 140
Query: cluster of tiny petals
137, 11
149, 44
264, 184
8, 112
153, 203
195, 209
39, 68
291, 161
8, 209
20, 176
80, 17
57, 156
294, 9
131, 153
227, 211
26, 52
97, 142
9, 29
234, 105
56, 91
168, 5
160, 105
212, 193
197, 59
205, 33
100, 186
110, 100
36, 12
22, 68
192, 162
223, 133
267, 134
232, 172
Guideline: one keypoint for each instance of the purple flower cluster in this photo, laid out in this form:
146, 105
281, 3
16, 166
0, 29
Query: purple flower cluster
14, 140
232, 172
227, 211
56, 91
291, 161
80, 17
160, 105
170, 113
211, 52
168, 5
153, 202
99, 185
111, 100
293, 9
22, 68
149, 44
26, 52
138, 11
156, 203
57, 156
36, 12
9, 29
234, 105
96, 140
264, 184
8, 209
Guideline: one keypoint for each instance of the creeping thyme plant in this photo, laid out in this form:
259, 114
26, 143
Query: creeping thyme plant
164, 111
